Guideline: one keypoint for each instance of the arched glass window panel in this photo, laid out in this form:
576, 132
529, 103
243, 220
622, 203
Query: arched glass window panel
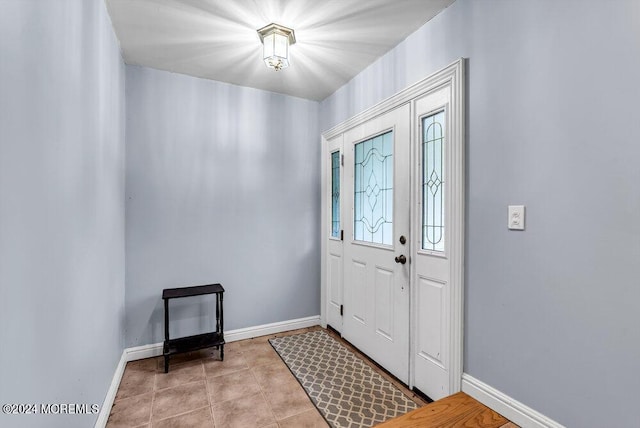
373, 190
335, 194
433, 140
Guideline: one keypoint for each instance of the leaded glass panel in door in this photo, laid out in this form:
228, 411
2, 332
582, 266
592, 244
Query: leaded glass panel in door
433, 182
373, 190
335, 194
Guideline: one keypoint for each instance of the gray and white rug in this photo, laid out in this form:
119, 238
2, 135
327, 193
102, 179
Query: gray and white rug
346, 391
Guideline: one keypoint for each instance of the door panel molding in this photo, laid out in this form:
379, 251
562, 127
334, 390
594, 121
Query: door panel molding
383, 295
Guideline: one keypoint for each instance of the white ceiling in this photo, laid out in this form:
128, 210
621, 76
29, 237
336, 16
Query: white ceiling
217, 39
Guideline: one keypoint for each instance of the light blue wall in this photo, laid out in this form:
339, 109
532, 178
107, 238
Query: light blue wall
61, 206
553, 123
222, 186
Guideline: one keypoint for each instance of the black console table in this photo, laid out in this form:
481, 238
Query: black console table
199, 341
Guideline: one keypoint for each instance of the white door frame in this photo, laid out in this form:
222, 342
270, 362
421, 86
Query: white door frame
454, 76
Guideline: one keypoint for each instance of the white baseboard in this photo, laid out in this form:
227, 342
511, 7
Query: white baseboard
142, 352
105, 410
508, 407
155, 350
273, 328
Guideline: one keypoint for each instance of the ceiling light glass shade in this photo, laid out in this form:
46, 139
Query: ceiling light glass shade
276, 51
276, 40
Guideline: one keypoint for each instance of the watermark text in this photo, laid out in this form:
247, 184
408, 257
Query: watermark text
50, 409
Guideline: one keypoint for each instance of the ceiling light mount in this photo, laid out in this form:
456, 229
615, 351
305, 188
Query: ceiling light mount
276, 40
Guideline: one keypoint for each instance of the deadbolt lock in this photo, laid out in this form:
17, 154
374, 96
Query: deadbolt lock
403, 240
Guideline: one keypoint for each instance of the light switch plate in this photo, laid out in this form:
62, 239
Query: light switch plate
516, 217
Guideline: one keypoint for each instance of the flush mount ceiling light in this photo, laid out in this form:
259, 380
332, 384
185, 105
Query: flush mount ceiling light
276, 40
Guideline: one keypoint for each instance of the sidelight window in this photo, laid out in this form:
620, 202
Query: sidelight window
335, 194
433, 182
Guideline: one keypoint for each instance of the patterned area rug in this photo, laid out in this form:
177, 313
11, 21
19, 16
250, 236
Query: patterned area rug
347, 391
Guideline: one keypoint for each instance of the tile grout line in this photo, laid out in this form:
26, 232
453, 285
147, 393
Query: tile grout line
153, 396
172, 387
206, 387
262, 393
182, 414
299, 413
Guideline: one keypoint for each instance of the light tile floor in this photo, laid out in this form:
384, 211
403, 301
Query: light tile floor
252, 387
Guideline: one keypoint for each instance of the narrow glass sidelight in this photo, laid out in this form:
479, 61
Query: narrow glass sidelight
335, 194
373, 190
433, 140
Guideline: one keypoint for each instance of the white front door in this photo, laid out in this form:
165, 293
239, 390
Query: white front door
376, 215
402, 176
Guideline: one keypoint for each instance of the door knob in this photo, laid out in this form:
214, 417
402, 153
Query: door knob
401, 259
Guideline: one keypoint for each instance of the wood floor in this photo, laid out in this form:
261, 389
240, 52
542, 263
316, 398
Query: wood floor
458, 410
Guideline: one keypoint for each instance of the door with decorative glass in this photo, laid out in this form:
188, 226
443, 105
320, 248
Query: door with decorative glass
438, 188
333, 199
376, 227
401, 207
